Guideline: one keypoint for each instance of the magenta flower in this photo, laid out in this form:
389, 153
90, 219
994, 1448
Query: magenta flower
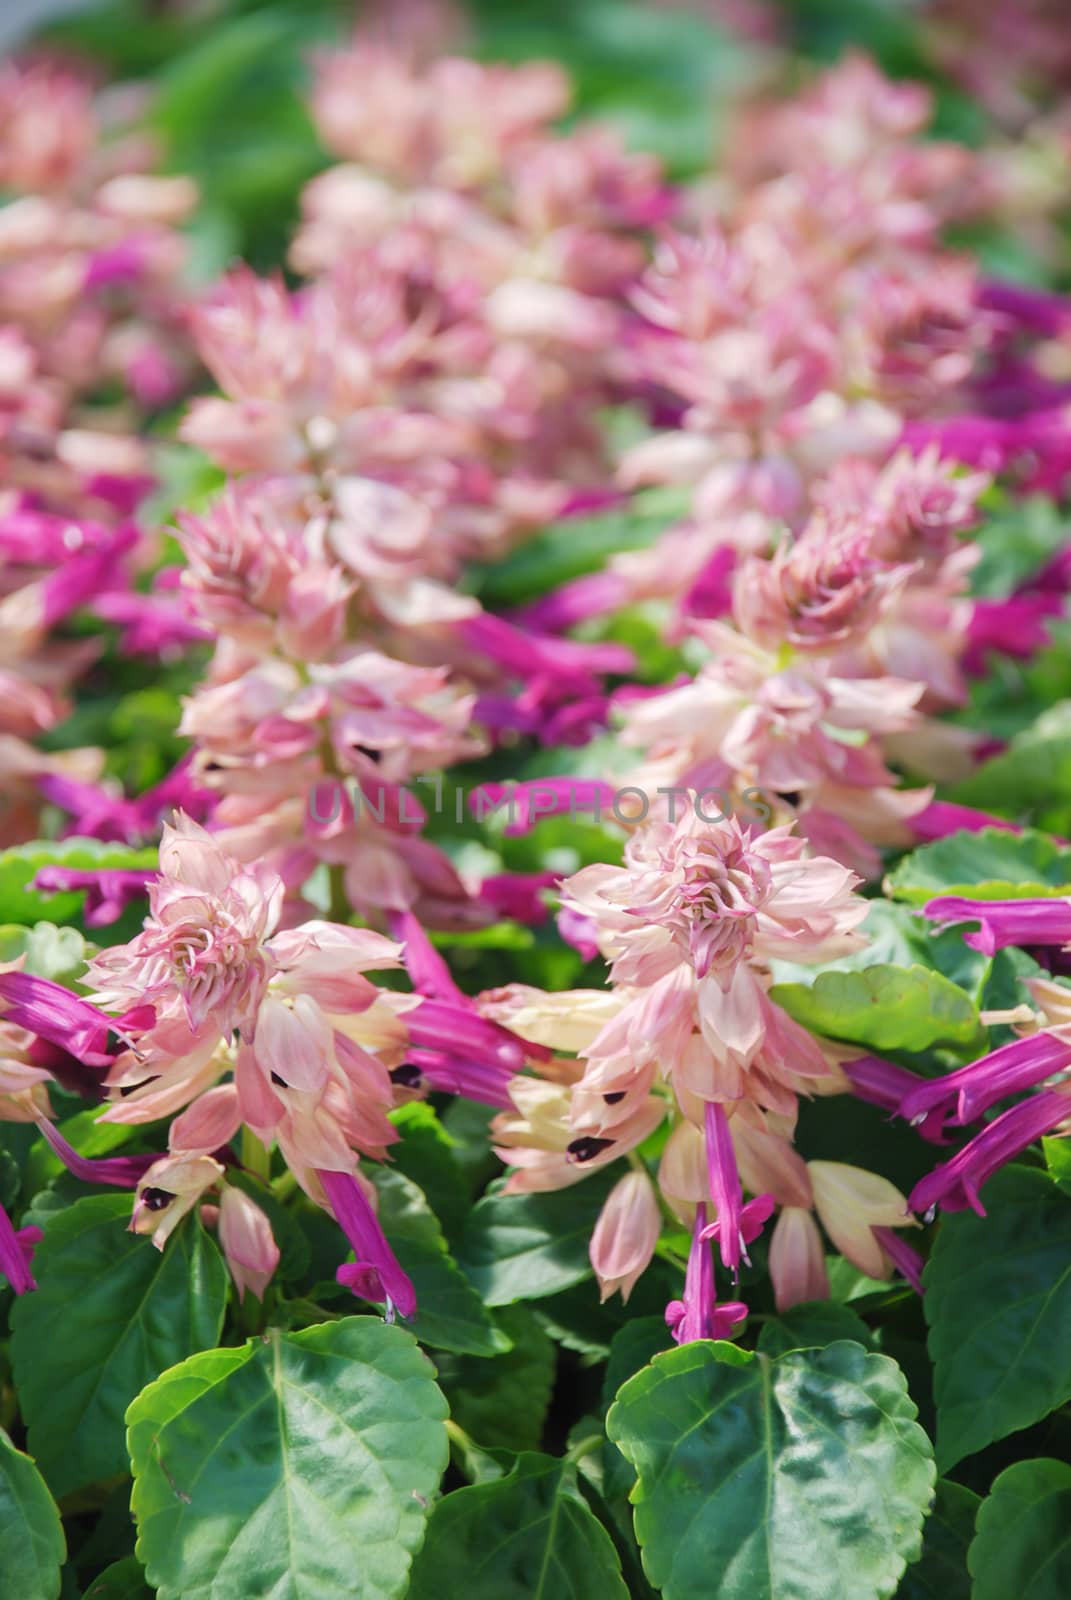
964, 1095
375, 1275
451, 1072
942, 817
725, 1190
108, 890
121, 1172
1006, 922
698, 1315
54, 1013
16, 1253
904, 1257
956, 1183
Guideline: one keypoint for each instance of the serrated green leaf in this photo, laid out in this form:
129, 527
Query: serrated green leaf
32, 1546
998, 1304
502, 1402
812, 1325
525, 1246
634, 1345
1031, 779
109, 1314
123, 1580
884, 1008
50, 952
544, 1542
450, 1314
993, 864
801, 1478
941, 1572
1022, 1545
306, 1468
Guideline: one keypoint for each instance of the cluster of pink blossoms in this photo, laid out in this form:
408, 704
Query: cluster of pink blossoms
90, 260
688, 1035
830, 391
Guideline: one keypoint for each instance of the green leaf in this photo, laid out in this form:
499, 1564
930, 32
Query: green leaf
1031, 779
941, 1573
1058, 1160
109, 1314
1023, 1543
32, 1546
50, 952
812, 1325
998, 1303
502, 1402
426, 1153
525, 1246
634, 1345
123, 1580
305, 1468
566, 550
800, 1478
993, 864
884, 1008
19, 903
450, 1314
1015, 542
544, 1543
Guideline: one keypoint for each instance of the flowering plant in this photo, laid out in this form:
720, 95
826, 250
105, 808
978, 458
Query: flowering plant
535, 1013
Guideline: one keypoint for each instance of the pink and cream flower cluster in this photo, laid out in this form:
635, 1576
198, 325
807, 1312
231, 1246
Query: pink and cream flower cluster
90, 299
823, 392
688, 1041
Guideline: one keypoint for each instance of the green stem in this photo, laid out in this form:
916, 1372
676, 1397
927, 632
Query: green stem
339, 906
284, 1185
584, 1447
255, 1158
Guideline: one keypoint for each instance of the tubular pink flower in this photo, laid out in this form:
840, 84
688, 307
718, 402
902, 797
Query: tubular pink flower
725, 1189
16, 1253
54, 1013
972, 1090
942, 817
698, 1315
122, 1172
903, 1256
440, 1024
485, 1081
376, 1274
429, 972
1005, 922
109, 890
956, 1183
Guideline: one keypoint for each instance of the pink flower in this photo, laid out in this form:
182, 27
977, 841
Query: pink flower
1006, 922
797, 1263
376, 1274
822, 593
247, 1240
205, 943
625, 1235
168, 1191
716, 896
851, 1203
698, 1315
